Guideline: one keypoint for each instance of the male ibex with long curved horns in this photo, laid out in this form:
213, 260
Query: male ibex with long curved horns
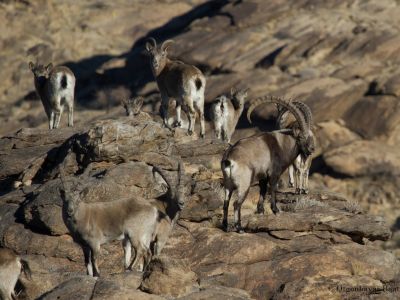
298, 171
182, 82
263, 157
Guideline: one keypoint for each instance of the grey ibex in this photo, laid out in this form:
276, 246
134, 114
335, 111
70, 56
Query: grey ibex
175, 201
11, 266
299, 170
226, 113
183, 82
262, 157
55, 87
132, 220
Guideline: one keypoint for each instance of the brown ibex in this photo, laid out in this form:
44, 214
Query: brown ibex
183, 82
55, 87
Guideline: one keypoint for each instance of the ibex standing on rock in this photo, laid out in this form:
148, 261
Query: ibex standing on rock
10, 269
182, 82
132, 220
55, 87
301, 166
262, 157
226, 113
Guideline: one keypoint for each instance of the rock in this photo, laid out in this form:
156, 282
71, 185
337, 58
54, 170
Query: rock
169, 277
351, 161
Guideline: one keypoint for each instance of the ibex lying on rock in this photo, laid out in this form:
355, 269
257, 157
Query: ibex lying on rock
10, 269
132, 220
301, 165
182, 82
175, 199
226, 113
262, 157
132, 106
55, 87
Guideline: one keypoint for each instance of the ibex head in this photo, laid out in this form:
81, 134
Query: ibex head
132, 106
40, 71
238, 97
158, 55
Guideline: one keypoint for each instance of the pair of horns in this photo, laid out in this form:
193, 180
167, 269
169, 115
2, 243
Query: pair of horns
303, 108
288, 105
164, 45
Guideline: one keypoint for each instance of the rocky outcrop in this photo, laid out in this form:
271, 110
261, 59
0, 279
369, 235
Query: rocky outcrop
278, 255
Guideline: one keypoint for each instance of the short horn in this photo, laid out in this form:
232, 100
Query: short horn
166, 44
152, 41
165, 177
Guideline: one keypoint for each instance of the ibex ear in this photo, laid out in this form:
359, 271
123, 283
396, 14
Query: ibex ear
233, 91
49, 67
31, 66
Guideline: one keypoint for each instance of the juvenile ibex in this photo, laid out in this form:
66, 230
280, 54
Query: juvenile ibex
262, 157
131, 220
175, 201
182, 82
10, 269
301, 166
132, 106
226, 113
55, 87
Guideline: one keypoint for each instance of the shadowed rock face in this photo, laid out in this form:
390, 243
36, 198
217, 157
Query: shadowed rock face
317, 243
340, 57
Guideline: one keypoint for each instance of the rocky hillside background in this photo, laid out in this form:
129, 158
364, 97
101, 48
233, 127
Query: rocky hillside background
340, 57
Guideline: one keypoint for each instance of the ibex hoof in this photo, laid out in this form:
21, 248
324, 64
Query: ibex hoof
190, 132
275, 210
177, 124
260, 210
202, 135
239, 229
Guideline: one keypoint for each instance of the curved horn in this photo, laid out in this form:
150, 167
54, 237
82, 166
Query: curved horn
152, 41
181, 173
254, 104
166, 44
165, 177
286, 104
305, 110
63, 181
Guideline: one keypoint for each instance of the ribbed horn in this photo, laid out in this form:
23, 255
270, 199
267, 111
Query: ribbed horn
305, 110
286, 104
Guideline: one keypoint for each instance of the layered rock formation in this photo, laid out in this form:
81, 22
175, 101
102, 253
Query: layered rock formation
339, 57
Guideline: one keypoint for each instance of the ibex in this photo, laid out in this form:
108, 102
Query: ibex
175, 201
131, 220
182, 82
10, 269
132, 106
262, 157
226, 113
301, 165
55, 87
